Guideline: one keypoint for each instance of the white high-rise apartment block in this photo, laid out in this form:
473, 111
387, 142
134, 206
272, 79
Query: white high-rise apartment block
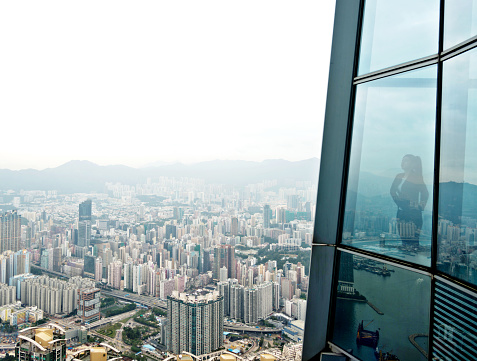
53, 295
98, 270
114, 274
223, 274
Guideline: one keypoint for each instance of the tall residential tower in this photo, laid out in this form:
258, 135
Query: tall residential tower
10, 231
195, 323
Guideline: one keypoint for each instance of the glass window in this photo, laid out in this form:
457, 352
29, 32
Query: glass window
396, 32
457, 226
389, 197
381, 308
460, 21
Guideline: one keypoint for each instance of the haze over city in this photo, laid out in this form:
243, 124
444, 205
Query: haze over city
134, 84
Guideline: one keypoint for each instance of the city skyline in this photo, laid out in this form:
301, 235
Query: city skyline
162, 82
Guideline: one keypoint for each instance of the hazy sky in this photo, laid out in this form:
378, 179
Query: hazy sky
135, 82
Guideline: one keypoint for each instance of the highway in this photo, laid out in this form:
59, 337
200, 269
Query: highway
250, 329
144, 300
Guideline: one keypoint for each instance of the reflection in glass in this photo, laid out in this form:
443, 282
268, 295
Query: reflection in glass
410, 194
381, 308
391, 167
396, 32
455, 325
460, 21
457, 227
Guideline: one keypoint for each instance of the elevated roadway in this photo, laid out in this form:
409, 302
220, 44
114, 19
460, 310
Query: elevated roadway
250, 329
141, 299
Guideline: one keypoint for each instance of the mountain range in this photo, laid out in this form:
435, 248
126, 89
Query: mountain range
84, 176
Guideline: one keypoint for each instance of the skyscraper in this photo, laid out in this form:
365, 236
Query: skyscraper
394, 214
85, 210
84, 223
266, 216
224, 256
114, 274
10, 231
195, 323
98, 270
89, 266
234, 226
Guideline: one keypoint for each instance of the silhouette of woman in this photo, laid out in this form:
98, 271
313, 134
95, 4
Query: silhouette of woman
410, 194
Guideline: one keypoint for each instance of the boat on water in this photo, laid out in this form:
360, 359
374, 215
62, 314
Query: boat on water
366, 337
385, 356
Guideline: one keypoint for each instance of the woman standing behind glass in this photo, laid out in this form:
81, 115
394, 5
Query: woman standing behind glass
410, 194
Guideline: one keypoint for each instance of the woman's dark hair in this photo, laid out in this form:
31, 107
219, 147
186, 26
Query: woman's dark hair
416, 168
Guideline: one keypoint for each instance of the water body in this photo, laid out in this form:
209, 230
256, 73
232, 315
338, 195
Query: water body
403, 297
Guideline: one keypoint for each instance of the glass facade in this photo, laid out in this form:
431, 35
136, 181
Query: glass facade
394, 260
388, 35
388, 204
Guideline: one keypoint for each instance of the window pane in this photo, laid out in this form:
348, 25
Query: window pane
460, 21
392, 305
455, 325
457, 228
395, 32
389, 197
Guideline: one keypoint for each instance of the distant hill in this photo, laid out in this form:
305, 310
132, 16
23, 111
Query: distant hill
84, 176
456, 200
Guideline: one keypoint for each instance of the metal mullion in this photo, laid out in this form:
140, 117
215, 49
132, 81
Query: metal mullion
344, 181
397, 69
461, 285
458, 49
387, 260
350, 356
435, 199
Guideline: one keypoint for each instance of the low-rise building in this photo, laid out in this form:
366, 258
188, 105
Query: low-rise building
41, 343
101, 352
295, 330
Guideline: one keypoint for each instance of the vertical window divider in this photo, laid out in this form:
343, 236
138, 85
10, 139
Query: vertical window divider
435, 208
344, 182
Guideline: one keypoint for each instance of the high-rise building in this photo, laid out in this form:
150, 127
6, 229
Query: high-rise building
85, 210
114, 274
195, 323
52, 295
84, 223
89, 266
98, 270
224, 256
266, 216
234, 226
89, 304
128, 276
223, 274
10, 231
395, 217
171, 231
236, 306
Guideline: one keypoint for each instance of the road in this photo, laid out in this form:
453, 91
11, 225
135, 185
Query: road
240, 328
144, 300
112, 341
